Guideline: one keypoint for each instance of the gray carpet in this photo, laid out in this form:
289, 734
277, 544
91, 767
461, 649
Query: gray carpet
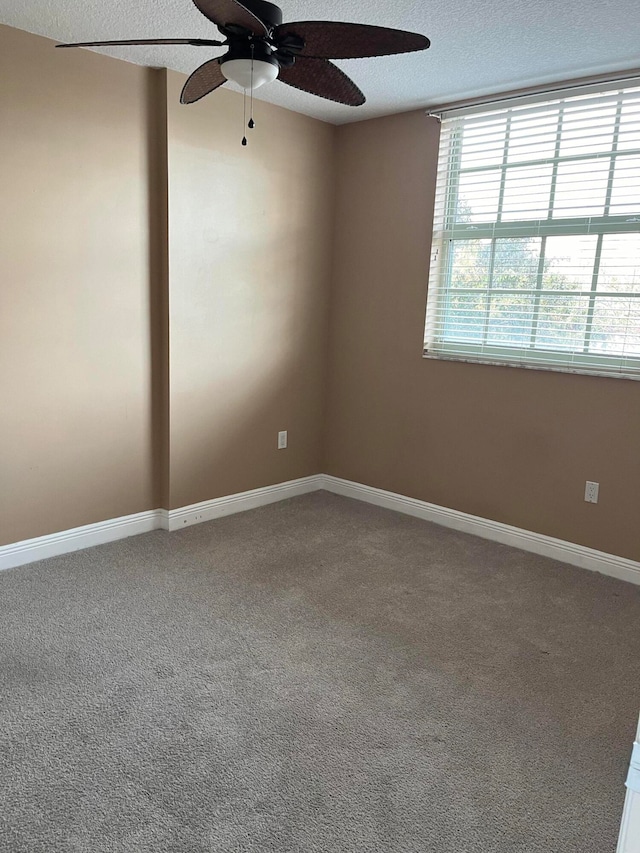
317, 675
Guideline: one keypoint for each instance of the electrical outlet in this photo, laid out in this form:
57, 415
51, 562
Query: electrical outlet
591, 492
282, 439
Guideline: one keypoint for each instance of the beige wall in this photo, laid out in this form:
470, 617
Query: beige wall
249, 255
503, 443
75, 418
151, 346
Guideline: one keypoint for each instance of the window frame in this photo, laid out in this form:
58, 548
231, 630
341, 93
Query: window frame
450, 231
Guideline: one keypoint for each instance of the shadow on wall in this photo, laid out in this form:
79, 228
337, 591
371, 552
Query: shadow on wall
157, 156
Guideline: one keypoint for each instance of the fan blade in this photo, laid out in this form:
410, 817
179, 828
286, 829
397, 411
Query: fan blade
322, 78
204, 79
196, 42
225, 12
334, 40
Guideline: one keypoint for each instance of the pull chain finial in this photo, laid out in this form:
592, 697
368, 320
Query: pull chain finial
244, 113
251, 124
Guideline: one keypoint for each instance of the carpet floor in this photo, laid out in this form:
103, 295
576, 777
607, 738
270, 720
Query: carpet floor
315, 676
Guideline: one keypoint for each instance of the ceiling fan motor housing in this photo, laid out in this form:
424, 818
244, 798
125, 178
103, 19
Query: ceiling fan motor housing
267, 12
254, 48
243, 46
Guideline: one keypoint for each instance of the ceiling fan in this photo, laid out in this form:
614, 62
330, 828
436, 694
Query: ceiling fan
261, 48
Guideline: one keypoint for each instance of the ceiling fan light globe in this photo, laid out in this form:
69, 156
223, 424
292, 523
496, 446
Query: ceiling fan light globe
239, 71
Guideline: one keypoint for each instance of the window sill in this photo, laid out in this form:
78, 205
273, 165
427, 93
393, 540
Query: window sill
554, 368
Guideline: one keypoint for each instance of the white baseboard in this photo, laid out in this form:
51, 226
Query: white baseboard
77, 538
537, 543
242, 501
55, 544
21, 553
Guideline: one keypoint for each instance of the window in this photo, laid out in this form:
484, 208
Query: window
536, 245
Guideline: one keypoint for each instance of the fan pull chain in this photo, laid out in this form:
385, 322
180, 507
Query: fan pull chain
251, 124
244, 113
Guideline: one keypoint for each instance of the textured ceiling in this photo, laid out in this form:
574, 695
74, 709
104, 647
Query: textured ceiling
478, 46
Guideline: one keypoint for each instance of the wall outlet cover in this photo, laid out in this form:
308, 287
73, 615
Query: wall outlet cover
591, 492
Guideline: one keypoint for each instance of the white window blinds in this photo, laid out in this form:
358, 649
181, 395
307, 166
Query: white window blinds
536, 245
